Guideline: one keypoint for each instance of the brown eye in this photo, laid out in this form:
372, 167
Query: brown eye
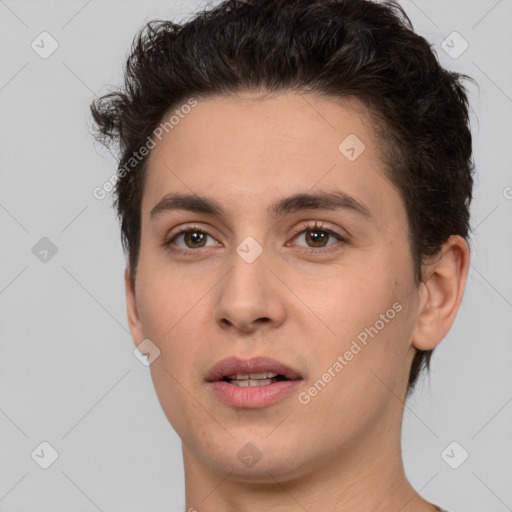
194, 239
317, 237
318, 240
189, 238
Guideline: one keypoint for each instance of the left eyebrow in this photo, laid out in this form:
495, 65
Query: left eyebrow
333, 200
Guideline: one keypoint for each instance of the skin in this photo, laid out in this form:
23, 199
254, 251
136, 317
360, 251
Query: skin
340, 451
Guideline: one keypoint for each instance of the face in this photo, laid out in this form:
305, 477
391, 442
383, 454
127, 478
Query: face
324, 287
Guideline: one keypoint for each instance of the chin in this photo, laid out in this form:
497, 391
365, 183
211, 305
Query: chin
257, 460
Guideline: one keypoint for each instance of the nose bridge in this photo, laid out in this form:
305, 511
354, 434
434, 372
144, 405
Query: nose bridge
249, 256
246, 280
247, 294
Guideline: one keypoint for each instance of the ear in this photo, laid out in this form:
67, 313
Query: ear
131, 307
441, 293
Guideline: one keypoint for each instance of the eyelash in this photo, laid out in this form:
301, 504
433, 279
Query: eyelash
306, 227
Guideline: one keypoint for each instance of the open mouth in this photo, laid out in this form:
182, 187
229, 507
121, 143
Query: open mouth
254, 379
258, 371
252, 383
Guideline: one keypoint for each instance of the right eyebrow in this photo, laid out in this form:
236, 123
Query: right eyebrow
189, 202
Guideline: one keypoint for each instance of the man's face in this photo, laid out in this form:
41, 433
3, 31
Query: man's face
259, 282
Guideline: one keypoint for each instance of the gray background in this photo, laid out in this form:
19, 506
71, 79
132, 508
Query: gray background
67, 371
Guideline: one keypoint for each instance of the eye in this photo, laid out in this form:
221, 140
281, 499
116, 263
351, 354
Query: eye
189, 239
317, 237
192, 237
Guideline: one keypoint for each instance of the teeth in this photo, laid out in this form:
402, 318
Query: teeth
245, 383
241, 376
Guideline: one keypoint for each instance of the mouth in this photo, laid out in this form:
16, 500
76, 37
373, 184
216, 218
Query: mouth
252, 383
254, 379
258, 371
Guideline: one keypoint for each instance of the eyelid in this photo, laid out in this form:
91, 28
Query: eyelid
320, 226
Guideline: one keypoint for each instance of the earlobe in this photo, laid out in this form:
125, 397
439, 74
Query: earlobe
441, 293
131, 309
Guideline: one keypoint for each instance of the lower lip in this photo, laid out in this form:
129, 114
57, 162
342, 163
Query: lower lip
253, 397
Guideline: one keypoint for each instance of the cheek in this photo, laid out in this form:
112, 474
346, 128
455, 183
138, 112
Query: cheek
369, 360
175, 314
158, 309
354, 301
166, 298
173, 321
371, 317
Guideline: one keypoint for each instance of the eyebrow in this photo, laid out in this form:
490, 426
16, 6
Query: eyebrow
329, 201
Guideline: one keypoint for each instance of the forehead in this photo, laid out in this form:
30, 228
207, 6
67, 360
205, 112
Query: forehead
262, 126
250, 147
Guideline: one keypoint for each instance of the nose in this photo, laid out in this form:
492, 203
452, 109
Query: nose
249, 297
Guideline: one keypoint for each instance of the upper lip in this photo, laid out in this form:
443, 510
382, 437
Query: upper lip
234, 365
